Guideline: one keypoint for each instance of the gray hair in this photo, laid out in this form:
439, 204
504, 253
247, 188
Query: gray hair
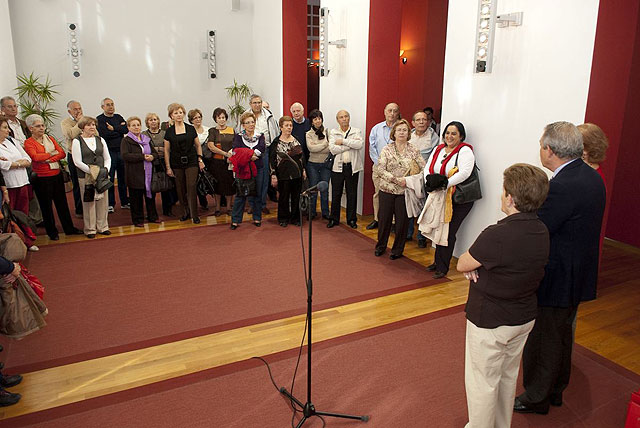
254, 96
7, 98
296, 104
74, 101
564, 139
32, 119
105, 100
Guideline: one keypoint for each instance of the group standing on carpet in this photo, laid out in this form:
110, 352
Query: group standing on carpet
528, 273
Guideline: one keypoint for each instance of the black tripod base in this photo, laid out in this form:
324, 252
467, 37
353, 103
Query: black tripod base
308, 410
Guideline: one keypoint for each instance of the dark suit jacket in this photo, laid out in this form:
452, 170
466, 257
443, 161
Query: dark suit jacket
133, 157
573, 214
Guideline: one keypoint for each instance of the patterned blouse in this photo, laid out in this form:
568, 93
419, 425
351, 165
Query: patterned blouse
393, 164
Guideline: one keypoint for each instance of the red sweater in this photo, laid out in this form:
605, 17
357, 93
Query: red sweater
39, 157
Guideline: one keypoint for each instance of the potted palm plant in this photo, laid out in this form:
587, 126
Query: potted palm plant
239, 94
35, 96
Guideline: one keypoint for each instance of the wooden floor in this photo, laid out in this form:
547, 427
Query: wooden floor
609, 326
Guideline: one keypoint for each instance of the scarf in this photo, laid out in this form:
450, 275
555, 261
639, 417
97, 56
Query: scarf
144, 141
250, 142
319, 131
49, 147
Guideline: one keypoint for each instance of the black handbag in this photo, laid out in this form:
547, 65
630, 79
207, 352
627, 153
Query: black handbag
469, 190
206, 184
160, 181
328, 162
246, 186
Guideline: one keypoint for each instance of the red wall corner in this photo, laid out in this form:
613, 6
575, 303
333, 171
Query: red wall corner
294, 53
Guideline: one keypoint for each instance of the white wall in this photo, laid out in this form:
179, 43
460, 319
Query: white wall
540, 75
8, 69
147, 54
346, 85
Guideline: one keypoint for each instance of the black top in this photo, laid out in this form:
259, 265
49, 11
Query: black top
112, 138
573, 214
286, 159
182, 151
300, 132
513, 254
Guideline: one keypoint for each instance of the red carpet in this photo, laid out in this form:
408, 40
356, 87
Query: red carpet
410, 374
119, 294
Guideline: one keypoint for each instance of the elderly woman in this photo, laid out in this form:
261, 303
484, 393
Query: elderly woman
595, 146
345, 143
13, 163
138, 154
505, 265
287, 172
90, 151
183, 157
169, 197
319, 170
195, 118
398, 159
455, 160
46, 153
219, 143
256, 143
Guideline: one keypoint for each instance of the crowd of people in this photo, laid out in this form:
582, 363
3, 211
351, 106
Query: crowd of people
528, 273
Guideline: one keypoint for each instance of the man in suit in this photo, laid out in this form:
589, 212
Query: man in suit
573, 214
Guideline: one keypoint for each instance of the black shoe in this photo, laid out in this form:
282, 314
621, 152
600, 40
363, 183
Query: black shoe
409, 238
555, 400
283, 224
372, 225
184, 217
54, 238
422, 244
9, 381
106, 232
438, 275
91, 235
234, 226
431, 267
196, 220
395, 256
353, 224
325, 217
8, 399
520, 407
331, 224
75, 231
379, 252
257, 223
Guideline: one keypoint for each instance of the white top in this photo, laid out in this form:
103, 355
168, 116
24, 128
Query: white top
353, 145
17, 177
91, 143
205, 134
466, 160
17, 131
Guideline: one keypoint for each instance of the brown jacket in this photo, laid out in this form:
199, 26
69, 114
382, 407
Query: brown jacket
133, 157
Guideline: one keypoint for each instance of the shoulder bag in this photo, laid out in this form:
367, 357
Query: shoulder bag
469, 190
160, 181
246, 186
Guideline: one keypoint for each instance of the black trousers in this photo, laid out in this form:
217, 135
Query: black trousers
389, 206
49, 191
443, 254
546, 359
289, 192
73, 172
117, 165
169, 198
350, 181
186, 179
136, 198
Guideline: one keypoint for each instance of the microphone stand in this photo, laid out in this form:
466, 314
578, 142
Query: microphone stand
308, 409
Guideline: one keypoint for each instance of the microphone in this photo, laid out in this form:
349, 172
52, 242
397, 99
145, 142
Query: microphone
322, 186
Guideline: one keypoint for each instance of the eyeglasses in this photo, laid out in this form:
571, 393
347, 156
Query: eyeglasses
249, 122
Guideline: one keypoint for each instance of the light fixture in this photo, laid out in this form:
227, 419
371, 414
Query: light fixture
210, 55
74, 50
323, 42
401, 52
485, 28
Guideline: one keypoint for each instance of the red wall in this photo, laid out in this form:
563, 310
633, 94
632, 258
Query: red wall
423, 37
614, 105
294, 53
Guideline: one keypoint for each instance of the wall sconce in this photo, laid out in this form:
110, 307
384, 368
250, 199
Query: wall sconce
485, 30
324, 42
211, 54
74, 51
402, 57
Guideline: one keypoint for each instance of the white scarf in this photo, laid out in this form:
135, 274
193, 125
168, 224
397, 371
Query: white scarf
49, 147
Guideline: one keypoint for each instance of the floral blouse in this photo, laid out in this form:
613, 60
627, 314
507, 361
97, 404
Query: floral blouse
393, 164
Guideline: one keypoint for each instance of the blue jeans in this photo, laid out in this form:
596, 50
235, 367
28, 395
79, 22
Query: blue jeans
318, 172
420, 238
254, 201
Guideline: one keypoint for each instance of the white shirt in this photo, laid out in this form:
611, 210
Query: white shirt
17, 177
262, 127
205, 134
17, 131
91, 143
466, 161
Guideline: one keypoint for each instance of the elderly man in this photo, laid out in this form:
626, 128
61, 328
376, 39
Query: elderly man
425, 139
70, 131
112, 127
17, 127
346, 144
300, 127
378, 138
266, 125
573, 214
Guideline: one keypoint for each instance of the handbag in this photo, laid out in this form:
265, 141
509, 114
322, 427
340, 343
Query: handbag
160, 181
246, 186
12, 224
328, 161
469, 190
206, 184
24, 311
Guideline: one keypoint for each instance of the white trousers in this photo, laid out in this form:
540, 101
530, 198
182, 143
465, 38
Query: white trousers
491, 364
